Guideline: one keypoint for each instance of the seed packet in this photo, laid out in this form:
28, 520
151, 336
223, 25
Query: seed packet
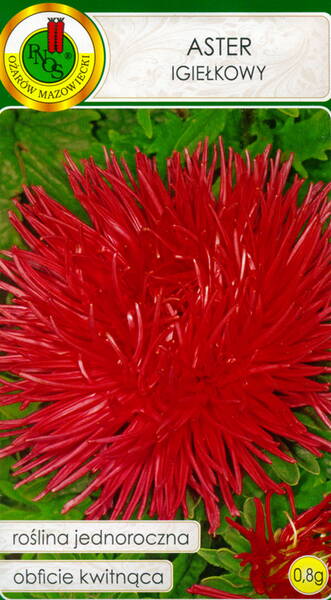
165, 300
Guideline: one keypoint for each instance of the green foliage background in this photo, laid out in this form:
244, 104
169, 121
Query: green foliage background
31, 152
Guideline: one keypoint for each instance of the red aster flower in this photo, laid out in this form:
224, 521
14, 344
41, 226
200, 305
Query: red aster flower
272, 552
166, 344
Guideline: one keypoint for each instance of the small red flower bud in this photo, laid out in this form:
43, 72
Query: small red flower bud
273, 552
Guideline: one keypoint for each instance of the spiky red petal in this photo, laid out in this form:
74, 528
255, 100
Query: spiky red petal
169, 342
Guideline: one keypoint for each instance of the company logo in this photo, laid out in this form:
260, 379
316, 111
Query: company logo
51, 56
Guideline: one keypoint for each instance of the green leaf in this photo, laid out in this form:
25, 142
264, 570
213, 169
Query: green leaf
260, 130
280, 508
31, 152
43, 154
187, 571
144, 119
312, 496
306, 459
176, 133
318, 170
291, 112
313, 423
7, 490
201, 124
228, 584
287, 472
249, 513
122, 121
250, 488
210, 555
6, 466
236, 582
235, 129
223, 557
244, 572
224, 525
308, 138
13, 513
236, 540
200, 512
11, 176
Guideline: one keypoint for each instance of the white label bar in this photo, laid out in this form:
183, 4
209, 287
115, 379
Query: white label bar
86, 575
215, 56
99, 536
